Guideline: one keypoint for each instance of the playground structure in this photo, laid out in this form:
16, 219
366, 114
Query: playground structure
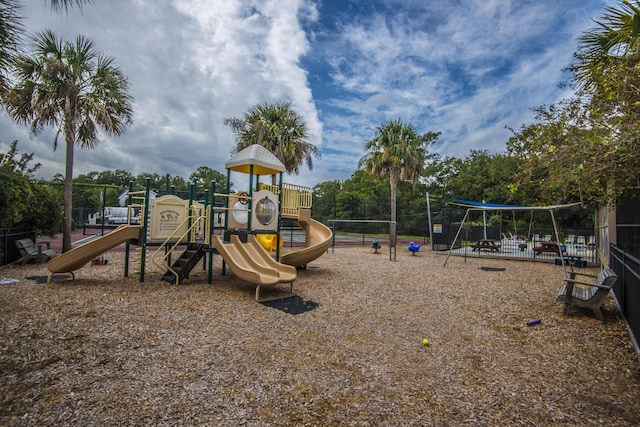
250, 223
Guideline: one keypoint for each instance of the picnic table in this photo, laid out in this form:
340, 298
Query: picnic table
486, 244
547, 247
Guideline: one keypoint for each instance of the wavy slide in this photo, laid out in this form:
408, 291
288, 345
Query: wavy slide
250, 262
77, 257
258, 253
318, 240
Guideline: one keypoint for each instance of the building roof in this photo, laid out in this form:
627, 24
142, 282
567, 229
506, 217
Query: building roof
262, 160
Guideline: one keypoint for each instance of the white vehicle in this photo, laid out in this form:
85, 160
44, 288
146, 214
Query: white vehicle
119, 216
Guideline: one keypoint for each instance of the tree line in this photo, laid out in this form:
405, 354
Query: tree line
35, 203
478, 176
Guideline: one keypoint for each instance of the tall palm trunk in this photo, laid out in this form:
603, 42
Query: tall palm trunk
68, 187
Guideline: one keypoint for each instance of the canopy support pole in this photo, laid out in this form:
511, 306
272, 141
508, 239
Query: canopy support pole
456, 238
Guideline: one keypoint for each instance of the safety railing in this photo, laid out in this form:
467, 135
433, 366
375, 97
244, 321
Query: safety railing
627, 289
294, 197
192, 228
137, 199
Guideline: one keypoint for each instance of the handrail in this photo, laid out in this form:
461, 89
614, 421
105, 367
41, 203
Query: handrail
137, 195
131, 206
196, 222
294, 197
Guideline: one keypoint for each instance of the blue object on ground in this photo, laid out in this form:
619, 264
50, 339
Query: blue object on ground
414, 248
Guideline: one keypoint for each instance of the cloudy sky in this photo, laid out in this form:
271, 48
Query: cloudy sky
466, 68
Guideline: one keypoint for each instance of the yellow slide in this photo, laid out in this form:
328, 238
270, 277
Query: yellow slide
247, 265
77, 257
318, 240
269, 241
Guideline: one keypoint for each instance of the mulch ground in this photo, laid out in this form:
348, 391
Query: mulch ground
104, 349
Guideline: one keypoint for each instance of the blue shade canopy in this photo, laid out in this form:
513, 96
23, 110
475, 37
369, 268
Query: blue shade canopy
500, 207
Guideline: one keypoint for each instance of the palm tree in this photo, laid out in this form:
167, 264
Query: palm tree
607, 73
10, 30
73, 88
614, 42
397, 152
278, 128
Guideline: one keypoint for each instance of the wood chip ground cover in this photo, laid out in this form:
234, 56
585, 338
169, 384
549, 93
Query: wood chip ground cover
109, 350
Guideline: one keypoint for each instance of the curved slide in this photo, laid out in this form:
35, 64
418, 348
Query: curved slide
247, 264
318, 240
77, 257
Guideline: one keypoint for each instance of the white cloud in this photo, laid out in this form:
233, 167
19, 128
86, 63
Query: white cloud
465, 68
190, 64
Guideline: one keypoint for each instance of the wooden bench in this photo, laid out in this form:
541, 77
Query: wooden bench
589, 292
31, 252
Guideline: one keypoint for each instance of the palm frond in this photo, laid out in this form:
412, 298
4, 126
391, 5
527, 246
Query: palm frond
278, 128
64, 5
615, 38
10, 39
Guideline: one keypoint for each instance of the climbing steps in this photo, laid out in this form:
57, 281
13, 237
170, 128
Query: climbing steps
183, 265
136, 262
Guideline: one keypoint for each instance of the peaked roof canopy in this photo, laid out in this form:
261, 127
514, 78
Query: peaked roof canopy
262, 160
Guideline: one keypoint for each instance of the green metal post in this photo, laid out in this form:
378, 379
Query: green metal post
250, 199
226, 215
226, 212
210, 231
145, 226
126, 246
278, 237
192, 191
206, 205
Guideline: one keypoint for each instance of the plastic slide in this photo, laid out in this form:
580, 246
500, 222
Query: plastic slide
77, 257
318, 240
257, 252
242, 261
